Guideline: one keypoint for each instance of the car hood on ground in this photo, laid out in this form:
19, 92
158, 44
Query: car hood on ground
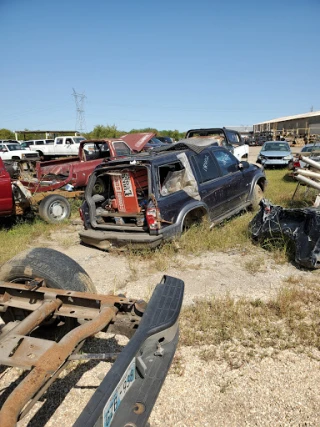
137, 141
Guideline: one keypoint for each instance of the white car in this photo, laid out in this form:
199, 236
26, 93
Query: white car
10, 150
28, 144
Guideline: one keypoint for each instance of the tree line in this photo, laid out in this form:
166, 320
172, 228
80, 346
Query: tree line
100, 131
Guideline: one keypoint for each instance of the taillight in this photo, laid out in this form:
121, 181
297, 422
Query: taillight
296, 164
81, 214
152, 217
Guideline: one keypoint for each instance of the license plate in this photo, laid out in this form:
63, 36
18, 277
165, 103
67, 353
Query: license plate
118, 394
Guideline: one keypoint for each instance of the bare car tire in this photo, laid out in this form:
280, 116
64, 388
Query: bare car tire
54, 208
257, 196
58, 270
40, 155
99, 187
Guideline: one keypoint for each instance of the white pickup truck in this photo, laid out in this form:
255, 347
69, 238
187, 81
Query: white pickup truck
61, 147
228, 138
12, 150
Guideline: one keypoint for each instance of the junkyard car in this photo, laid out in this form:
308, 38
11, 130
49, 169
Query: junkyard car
310, 150
228, 138
143, 141
154, 143
275, 153
29, 144
144, 200
165, 139
12, 150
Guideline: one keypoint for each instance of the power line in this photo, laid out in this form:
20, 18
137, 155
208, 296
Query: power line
80, 121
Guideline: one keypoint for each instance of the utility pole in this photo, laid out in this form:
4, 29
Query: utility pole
80, 121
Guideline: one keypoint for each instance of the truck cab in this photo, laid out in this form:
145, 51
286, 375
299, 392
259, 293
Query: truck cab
227, 138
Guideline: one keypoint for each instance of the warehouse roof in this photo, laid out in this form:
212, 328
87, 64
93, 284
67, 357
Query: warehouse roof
297, 116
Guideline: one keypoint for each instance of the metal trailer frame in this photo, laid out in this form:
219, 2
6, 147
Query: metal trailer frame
152, 329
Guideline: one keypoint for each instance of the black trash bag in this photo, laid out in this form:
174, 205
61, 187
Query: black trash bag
300, 226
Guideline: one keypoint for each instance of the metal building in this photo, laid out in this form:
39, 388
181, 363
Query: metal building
299, 125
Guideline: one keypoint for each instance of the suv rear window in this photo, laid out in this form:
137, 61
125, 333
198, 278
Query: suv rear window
170, 178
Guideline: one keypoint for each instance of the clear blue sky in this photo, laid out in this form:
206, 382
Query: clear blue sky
168, 64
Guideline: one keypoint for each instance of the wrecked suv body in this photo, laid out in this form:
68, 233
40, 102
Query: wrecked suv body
144, 200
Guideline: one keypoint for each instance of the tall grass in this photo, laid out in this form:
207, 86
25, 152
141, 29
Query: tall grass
17, 238
281, 187
225, 325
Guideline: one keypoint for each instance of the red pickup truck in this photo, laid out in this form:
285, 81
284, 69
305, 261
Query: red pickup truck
76, 170
43, 187
14, 198
6, 199
48, 185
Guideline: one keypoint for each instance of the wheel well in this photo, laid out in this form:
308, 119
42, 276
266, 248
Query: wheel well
262, 183
195, 216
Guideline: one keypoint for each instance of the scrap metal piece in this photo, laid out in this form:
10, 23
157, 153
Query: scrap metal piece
301, 226
26, 309
33, 306
48, 364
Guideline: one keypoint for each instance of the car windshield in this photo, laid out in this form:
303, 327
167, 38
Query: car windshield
155, 141
78, 140
216, 136
14, 147
309, 149
276, 146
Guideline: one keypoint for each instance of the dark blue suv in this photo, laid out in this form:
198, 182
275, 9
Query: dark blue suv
143, 200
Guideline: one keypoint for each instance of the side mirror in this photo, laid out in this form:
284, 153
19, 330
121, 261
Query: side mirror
244, 164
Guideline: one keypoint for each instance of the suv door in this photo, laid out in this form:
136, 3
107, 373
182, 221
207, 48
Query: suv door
213, 188
237, 181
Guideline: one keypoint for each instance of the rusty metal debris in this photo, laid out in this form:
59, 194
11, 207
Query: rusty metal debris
45, 358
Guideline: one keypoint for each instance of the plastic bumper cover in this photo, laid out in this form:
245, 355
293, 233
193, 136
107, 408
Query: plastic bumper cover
107, 239
152, 347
